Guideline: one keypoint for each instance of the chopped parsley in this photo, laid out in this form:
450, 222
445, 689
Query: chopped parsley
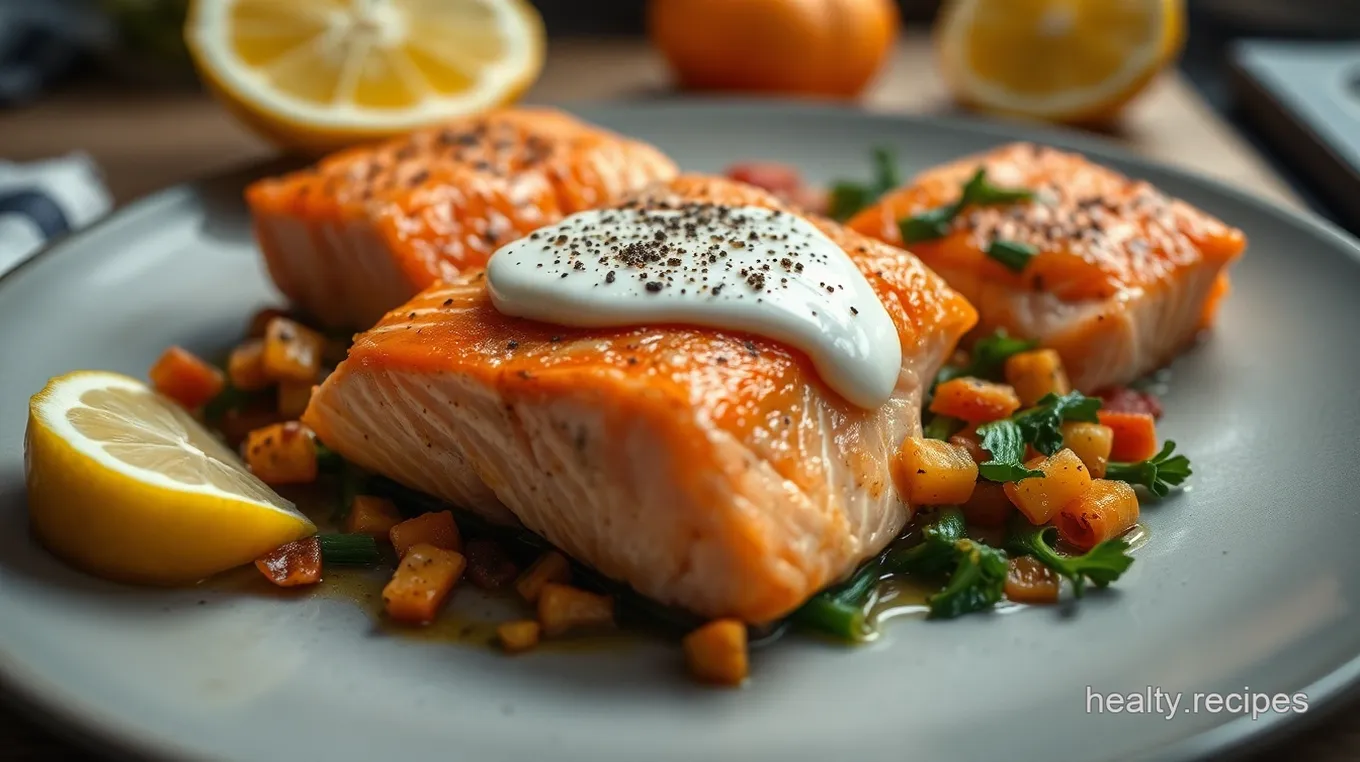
977, 572
988, 358
1100, 566
1005, 442
978, 581
1158, 474
1039, 427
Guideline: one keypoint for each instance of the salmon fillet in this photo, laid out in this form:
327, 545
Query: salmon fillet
366, 229
1124, 277
708, 469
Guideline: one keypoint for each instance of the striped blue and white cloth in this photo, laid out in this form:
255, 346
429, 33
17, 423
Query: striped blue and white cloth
42, 201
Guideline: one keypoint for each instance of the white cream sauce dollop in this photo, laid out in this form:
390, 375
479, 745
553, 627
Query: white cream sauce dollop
748, 269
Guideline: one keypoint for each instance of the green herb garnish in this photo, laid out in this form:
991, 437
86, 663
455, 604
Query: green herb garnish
977, 582
1158, 474
231, 398
328, 459
348, 549
1005, 442
942, 427
978, 575
1013, 254
839, 611
928, 225
935, 552
935, 223
849, 198
1041, 425
1101, 565
352, 480
988, 358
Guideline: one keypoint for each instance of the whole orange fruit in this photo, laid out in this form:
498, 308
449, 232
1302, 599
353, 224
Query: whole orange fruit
829, 48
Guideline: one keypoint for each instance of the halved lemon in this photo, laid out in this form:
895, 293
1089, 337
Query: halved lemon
1058, 60
123, 483
315, 75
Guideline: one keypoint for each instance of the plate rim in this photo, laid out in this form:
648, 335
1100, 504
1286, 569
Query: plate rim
35, 699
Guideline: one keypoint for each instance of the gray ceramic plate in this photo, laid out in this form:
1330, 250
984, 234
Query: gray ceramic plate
1249, 581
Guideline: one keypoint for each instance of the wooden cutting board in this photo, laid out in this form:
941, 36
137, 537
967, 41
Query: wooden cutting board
146, 141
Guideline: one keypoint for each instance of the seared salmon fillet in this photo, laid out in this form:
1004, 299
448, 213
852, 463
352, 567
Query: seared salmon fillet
366, 229
709, 469
1123, 278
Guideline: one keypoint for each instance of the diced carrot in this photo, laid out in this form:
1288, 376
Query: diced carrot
293, 397
260, 321
988, 506
520, 636
1031, 582
931, 472
421, 583
563, 608
716, 652
294, 564
1135, 435
1041, 497
489, 566
283, 453
974, 400
1036, 374
374, 516
292, 351
186, 379
437, 529
547, 568
1106, 510
245, 366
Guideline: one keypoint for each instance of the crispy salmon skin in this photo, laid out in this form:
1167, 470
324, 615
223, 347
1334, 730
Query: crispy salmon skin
1124, 277
708, 469
366, 229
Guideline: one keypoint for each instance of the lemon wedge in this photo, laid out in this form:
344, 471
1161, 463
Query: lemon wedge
123, 483
316, 75
1058, 60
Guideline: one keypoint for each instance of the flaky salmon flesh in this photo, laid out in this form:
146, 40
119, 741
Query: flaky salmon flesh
366, 229
708, 469
1124, 277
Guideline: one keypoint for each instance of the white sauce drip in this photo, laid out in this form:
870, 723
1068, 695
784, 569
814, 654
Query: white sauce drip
748, 269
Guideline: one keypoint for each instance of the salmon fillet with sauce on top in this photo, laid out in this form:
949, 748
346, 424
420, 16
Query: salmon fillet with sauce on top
368, 228
1123, 277
709, 469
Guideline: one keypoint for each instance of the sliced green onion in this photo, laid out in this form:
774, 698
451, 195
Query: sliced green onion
348, 549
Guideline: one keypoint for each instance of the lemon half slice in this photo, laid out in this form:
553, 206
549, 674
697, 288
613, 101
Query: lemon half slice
1060, 60
315, 75
123, 483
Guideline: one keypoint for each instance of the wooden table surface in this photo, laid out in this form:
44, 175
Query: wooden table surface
148, 140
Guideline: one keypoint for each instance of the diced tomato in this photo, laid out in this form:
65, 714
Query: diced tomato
1122, 399
294, 564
